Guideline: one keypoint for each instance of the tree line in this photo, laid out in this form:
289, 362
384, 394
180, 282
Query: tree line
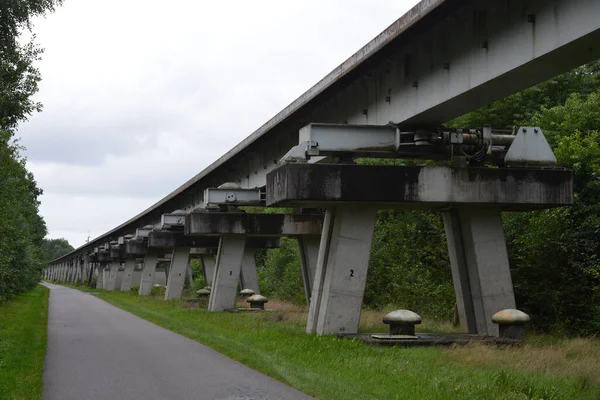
22, 229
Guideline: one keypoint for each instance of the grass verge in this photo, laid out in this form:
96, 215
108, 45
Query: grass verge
23, 333
331, 368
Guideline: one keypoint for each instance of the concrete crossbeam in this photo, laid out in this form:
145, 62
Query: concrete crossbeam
169, 239
309, 185
136, 247
253, 224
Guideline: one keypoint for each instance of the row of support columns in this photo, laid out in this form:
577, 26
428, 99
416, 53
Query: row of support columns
334, 269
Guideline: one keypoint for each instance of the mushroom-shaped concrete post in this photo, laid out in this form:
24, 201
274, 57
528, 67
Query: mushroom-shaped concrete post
246, 293
203, 293
511, 323
257, 301
207, 288
402, 322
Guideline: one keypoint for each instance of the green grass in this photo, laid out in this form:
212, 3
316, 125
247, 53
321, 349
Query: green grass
331, 368
23, 333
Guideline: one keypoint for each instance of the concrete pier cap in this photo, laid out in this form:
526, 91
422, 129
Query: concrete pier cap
237, 223
325, 185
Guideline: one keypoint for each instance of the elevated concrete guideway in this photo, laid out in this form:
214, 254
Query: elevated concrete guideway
441, 59
97, 351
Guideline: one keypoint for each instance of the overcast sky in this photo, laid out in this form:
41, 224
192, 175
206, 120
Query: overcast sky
140, 95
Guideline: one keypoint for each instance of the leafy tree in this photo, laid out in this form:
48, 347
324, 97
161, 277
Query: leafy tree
54, 248
22, 229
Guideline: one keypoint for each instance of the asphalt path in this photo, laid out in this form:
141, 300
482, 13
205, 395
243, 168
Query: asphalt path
98, 351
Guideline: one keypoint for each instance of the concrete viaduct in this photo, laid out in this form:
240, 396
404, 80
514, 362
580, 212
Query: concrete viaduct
440, 60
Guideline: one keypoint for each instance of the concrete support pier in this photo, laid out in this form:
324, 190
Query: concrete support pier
341, 272
249, 275
100, 279
208, 265
308, 249
111, 280
128, 275
148, 272
177, 272
227, 272
480, 268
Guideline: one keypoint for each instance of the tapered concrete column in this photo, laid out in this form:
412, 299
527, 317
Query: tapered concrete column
208, 266
128, 275
308, 248
90, 273
100, 267
112, 275
176, 280
342, 267
148, 272
227, 272
190, 276
75, 272
480, 268
249, 275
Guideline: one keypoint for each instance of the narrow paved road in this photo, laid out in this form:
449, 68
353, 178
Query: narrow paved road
98, 351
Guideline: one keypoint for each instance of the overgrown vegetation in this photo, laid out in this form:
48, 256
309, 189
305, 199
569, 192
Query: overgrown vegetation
23, 332
55, 248
331, 368
554, 254
22, 229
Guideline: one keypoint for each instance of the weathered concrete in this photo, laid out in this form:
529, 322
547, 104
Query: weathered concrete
480, 268
127, 280
249, 274
227, 273
98, 352
169, 239
341, 273
308, 249
148, 273
203, 223
100, 278
177, 271
208, 265
112, 275
136, 248
316, 185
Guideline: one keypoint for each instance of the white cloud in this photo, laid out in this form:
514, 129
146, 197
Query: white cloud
141, 95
